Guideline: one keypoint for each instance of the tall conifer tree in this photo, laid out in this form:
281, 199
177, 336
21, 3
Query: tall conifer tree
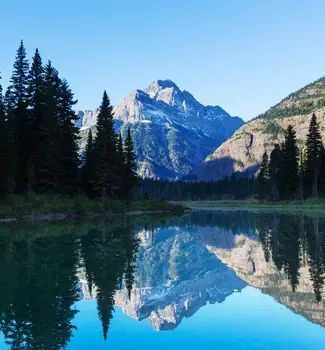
3, 148
274, 171
68, 135
313, 157
106, 180
18, 96
263, 179
288, 169
120, 163
36, 99
130, 175
47, 160
88, 167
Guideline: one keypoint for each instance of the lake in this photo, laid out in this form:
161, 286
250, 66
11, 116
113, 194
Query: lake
212, 279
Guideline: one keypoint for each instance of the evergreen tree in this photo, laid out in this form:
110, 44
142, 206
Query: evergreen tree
48, 167
313, 157
36, 109
322, 173
11, 141
106, 180
3, 148
288, 169
68, 135
120, 163
130, 175
88, 167
273, 172
263, 179
18, 96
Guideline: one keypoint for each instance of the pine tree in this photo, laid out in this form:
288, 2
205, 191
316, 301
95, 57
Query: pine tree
11, 141
322, 173
18, 96
263, 179
36, 99
273, 172
48, 169
68, 135
88, 167
130, 175
120, 163
3, 148
106, 180
288, 169
313, 157
36, 86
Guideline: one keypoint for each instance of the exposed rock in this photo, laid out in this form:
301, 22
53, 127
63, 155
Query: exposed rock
172, 132
244, 150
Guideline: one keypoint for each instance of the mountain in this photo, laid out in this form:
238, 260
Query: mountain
243, 151
172, 132
175, 276
247, 258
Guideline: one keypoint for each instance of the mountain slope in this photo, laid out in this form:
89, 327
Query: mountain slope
244, 150
172, 131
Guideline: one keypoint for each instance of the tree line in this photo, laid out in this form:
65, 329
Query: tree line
233, 187
289, 173
39, 139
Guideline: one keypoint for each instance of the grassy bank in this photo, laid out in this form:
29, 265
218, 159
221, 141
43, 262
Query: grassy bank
304, 205
33, 206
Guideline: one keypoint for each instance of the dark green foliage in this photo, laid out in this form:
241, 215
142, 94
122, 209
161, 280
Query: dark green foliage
322, 174
39, 124
88, 168
288, 166
273, 128
47, 162
67, 140
274, 171
4, 170
106, 157
234, 187
263, 179
18, 109
120, 164
36, 90
313, 160
130, 175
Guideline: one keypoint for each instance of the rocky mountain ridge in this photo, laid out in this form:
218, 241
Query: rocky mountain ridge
172, 132
244, 150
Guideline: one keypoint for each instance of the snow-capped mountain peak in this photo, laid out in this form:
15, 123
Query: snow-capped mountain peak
171, 130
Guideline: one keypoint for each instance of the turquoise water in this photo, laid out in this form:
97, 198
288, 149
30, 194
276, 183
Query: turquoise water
246, 320
210, 280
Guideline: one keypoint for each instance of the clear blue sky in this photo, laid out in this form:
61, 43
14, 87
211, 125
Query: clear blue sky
242, 55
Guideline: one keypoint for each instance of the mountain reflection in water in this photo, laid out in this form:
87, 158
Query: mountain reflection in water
158, 271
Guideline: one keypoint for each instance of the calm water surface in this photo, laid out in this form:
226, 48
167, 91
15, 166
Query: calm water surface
211, 280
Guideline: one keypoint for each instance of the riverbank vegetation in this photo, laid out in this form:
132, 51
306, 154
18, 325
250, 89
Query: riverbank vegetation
43, 206
312, 205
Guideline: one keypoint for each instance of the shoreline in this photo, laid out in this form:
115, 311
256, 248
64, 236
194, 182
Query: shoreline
56, 207
61, 216
315, 206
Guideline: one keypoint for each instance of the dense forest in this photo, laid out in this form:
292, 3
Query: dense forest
38, 139
39, 151
234, 187
289, 173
